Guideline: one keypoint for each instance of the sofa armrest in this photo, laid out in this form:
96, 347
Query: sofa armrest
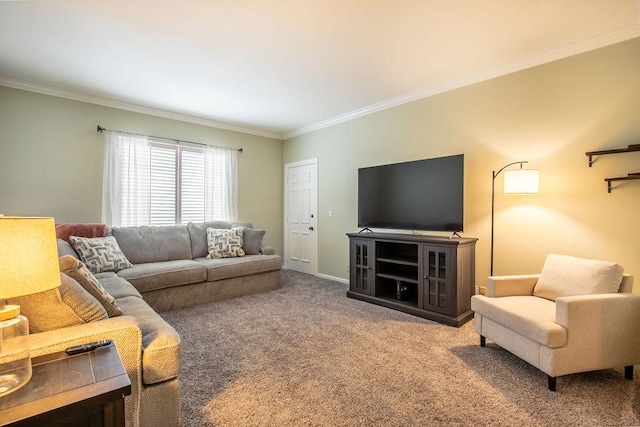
268, 250
123, 330
606, 326
505, 286
126, 335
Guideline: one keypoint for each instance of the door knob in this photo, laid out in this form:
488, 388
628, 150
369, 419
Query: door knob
311, 228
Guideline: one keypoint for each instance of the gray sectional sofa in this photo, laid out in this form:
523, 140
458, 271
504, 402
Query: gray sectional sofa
170, 270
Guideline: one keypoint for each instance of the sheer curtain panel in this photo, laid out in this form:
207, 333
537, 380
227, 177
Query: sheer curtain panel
149, 182
126, 180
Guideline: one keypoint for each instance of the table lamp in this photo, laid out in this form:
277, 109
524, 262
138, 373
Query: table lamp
28, 265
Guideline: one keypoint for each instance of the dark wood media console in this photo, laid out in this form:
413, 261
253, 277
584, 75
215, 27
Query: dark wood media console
427, 276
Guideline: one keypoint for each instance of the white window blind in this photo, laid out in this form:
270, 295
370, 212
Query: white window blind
163, 192
148, 182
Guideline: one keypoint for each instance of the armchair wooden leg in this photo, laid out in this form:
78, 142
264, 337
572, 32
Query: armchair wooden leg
628, 372
483, 342
552, 382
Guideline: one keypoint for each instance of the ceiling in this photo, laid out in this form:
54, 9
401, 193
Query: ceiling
280, 68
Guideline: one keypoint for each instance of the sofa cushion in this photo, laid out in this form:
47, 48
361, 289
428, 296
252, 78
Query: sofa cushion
224, 268
116, 285
252, 241
225, 243
67, 305
161, 360
198, 234
100, 253
153, 244
158, 275
79, 272
564, 276
64, 248
529, 316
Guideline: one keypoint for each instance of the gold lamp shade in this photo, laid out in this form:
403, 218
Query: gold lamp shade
28, 255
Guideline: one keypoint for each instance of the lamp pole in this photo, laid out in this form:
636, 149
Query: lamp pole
493, 197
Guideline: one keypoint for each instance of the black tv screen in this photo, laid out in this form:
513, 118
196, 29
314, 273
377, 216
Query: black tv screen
418, 195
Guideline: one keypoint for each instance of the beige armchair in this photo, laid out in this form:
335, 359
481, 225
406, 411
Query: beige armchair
577, 315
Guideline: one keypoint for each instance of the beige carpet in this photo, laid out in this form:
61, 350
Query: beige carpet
306, 355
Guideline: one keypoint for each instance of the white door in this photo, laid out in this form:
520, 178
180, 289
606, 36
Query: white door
300, 242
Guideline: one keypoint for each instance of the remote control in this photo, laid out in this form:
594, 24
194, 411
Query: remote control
83, 348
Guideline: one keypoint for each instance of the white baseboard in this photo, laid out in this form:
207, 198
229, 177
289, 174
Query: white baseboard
335, 279
326, 276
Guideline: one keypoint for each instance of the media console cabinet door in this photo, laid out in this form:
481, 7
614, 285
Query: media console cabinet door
362, 271
437, 279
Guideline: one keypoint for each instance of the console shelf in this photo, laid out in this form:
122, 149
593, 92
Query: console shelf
427, 276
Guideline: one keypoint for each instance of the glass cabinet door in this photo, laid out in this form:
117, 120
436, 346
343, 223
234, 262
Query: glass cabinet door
436, 282
362, 273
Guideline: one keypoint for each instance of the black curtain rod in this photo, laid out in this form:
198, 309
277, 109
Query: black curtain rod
101, 129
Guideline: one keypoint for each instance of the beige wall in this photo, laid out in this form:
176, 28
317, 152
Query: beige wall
51, 159
549, 115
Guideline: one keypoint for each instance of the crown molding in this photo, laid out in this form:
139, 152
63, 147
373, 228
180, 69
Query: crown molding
622, 34
106, 102
616, 36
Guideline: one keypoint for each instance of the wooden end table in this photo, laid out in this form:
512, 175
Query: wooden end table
86, 389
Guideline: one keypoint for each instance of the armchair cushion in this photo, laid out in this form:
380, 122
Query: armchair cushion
530, 317
564, 276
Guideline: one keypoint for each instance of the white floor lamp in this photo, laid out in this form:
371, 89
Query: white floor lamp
519, 181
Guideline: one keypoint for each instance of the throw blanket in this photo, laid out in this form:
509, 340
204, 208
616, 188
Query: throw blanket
64, 231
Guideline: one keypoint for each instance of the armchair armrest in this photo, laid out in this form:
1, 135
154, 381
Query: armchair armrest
597, 311
505, 286
605, 326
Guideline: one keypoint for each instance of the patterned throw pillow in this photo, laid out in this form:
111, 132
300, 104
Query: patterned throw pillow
67, 305
225, 243
75, 269
100, 253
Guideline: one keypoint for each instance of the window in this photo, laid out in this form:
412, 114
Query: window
149, 182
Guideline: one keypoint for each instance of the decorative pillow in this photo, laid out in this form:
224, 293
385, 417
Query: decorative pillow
75, 269
67, 305
564, 276
100, 253
225, 243
64, 248
66, 230
252, 241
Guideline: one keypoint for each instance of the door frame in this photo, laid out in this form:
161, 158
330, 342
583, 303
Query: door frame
314, 240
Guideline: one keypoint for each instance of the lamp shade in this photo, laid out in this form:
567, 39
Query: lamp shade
522, 181
28, 256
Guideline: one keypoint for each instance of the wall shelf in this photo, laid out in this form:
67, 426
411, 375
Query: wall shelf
622, 178
630, 149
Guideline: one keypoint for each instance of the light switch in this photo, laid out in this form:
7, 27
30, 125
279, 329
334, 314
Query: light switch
330, 214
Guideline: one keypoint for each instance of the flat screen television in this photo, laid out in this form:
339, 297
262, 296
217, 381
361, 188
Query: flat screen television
418, 195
